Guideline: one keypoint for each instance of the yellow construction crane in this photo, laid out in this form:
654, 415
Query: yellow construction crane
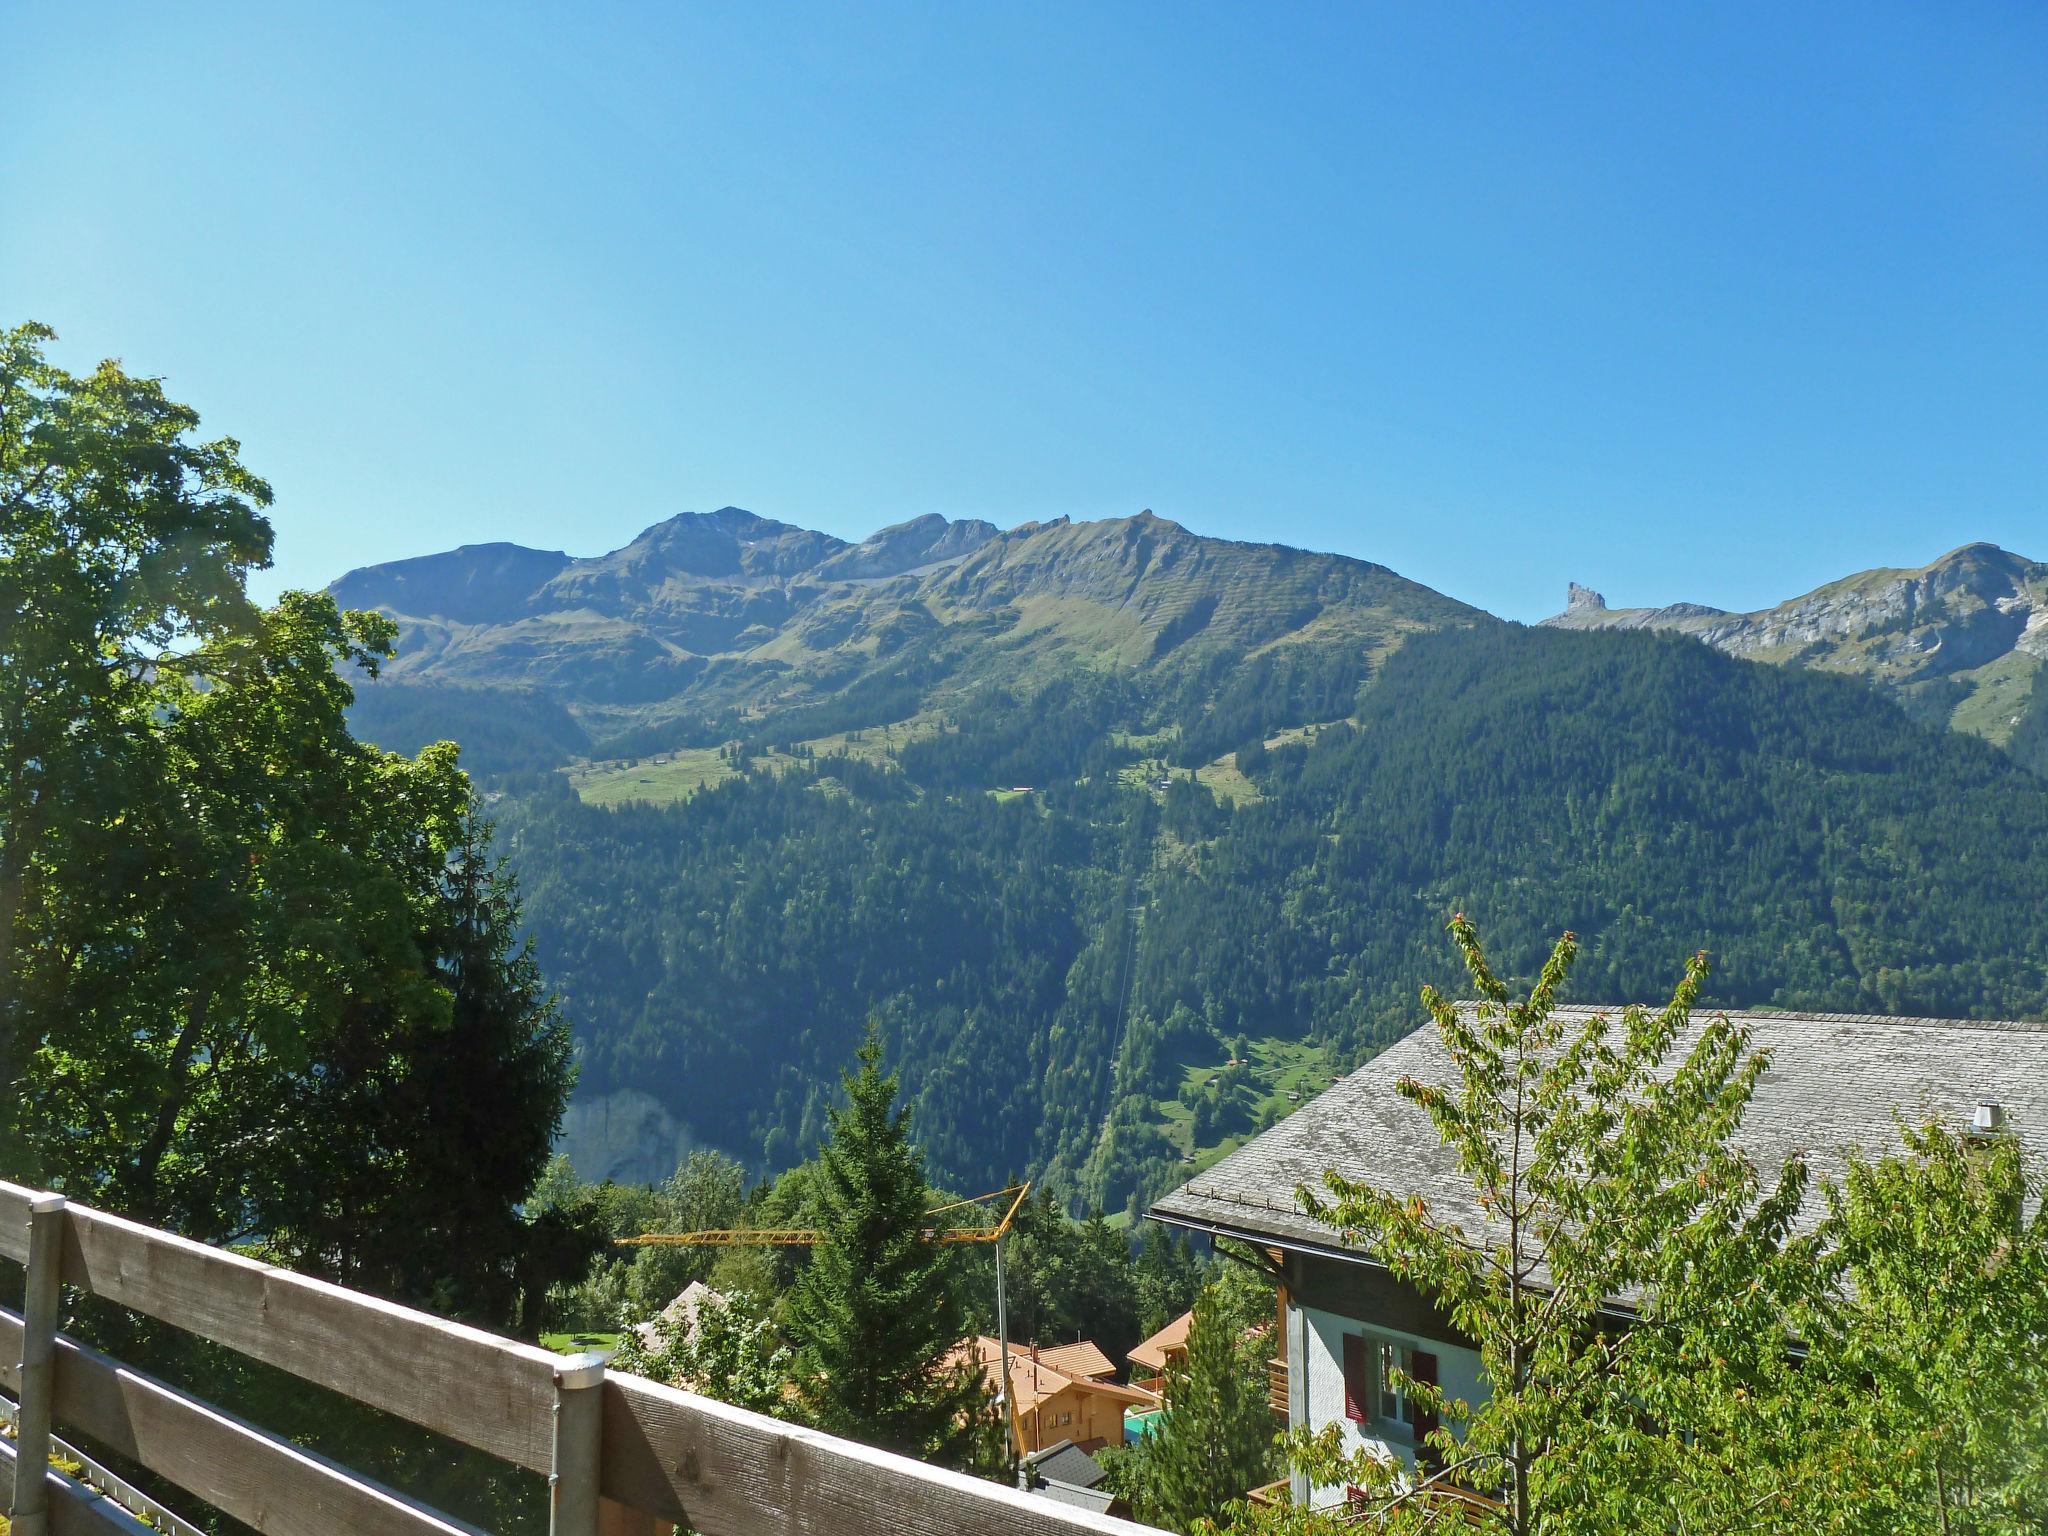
805, 1237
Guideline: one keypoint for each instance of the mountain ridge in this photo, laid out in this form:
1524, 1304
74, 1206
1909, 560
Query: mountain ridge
713, 615
1959, 641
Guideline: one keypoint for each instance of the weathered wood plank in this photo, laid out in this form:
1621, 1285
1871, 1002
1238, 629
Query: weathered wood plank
728, 1472
615, 1519
75, 1510
491, 1393
270, 1484
131, 1498
10, 1351
14, 1204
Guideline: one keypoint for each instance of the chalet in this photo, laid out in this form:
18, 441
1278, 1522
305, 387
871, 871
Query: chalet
1151, 1358
1836, 1083
1077, 1399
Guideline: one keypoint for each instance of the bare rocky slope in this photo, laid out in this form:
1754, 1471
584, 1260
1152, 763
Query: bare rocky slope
1960, 641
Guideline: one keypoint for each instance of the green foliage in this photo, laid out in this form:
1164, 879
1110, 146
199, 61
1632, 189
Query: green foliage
877, 1314
506, 733
1215, 1439
257, 979
119, 533
1600, 1155
708, 1190
734, 1353
1165, 1277
1066, 1280
1881, 1373
1935, 1348
1652, 793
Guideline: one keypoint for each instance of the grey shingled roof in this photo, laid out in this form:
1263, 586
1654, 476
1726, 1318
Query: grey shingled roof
1836, 1082
1066, 1462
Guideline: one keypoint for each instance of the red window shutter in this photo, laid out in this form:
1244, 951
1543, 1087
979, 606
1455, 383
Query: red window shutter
1357, 1388
1423, 1369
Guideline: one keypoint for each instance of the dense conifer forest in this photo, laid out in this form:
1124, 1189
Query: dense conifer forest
1065, 976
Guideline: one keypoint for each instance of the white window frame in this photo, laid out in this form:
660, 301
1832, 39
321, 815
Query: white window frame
1401, 1425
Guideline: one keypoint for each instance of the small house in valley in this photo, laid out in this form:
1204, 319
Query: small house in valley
1066, 1474
1837, 1083
1151, 1358
1064, 1401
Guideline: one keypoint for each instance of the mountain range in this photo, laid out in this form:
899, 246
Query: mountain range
1959, 641
709, 619
1130, 837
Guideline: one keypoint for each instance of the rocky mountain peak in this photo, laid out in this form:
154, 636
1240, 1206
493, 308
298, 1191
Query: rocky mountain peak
1580, 599
919, 544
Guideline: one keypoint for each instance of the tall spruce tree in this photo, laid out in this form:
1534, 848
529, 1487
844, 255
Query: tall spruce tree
877, 1315
1216, 1439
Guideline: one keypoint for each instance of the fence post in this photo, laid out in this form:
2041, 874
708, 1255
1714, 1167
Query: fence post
31, 1512
579, 1426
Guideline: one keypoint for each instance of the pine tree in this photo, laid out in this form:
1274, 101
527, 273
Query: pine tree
1215, 1441
877, 1314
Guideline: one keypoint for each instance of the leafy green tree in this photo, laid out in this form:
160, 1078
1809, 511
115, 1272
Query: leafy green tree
1600, 1154
709, 1189
1066, 1279
877, 1316
1215, 1440
258, 980
120, 535
733, 1353
1935, 1351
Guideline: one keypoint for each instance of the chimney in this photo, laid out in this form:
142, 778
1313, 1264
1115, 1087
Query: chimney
1989, 1119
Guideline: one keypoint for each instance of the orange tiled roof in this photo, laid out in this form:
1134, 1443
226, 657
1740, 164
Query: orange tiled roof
1169, 1340
1082, 1360
1033, 1381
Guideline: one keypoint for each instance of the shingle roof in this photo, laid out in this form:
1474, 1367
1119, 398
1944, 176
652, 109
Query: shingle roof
1153, 1352
1034, 1381
1836, 1082
1066, 1462
681, 1313
1097, 1500
1082, 1359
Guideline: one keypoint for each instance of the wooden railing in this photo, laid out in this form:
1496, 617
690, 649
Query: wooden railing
624, 1456
1276, 1388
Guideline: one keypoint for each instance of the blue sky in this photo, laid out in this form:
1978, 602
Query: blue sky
1710, 302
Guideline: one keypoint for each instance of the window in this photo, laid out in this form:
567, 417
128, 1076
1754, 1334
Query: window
1372, 1392
1394, 1407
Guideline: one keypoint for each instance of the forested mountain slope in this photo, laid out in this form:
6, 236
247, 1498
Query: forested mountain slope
1133, 837
1064, 973
1959, 641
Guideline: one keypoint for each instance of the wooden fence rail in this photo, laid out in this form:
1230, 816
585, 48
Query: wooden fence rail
624, 1455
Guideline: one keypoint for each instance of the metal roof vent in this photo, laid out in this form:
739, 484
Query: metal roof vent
1989, 1118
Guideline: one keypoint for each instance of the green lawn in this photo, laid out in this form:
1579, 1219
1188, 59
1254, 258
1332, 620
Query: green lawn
663, 778
1277, 1068
660, 779
576, 1343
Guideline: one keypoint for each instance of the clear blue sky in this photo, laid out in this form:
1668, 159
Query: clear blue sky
1711, 302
